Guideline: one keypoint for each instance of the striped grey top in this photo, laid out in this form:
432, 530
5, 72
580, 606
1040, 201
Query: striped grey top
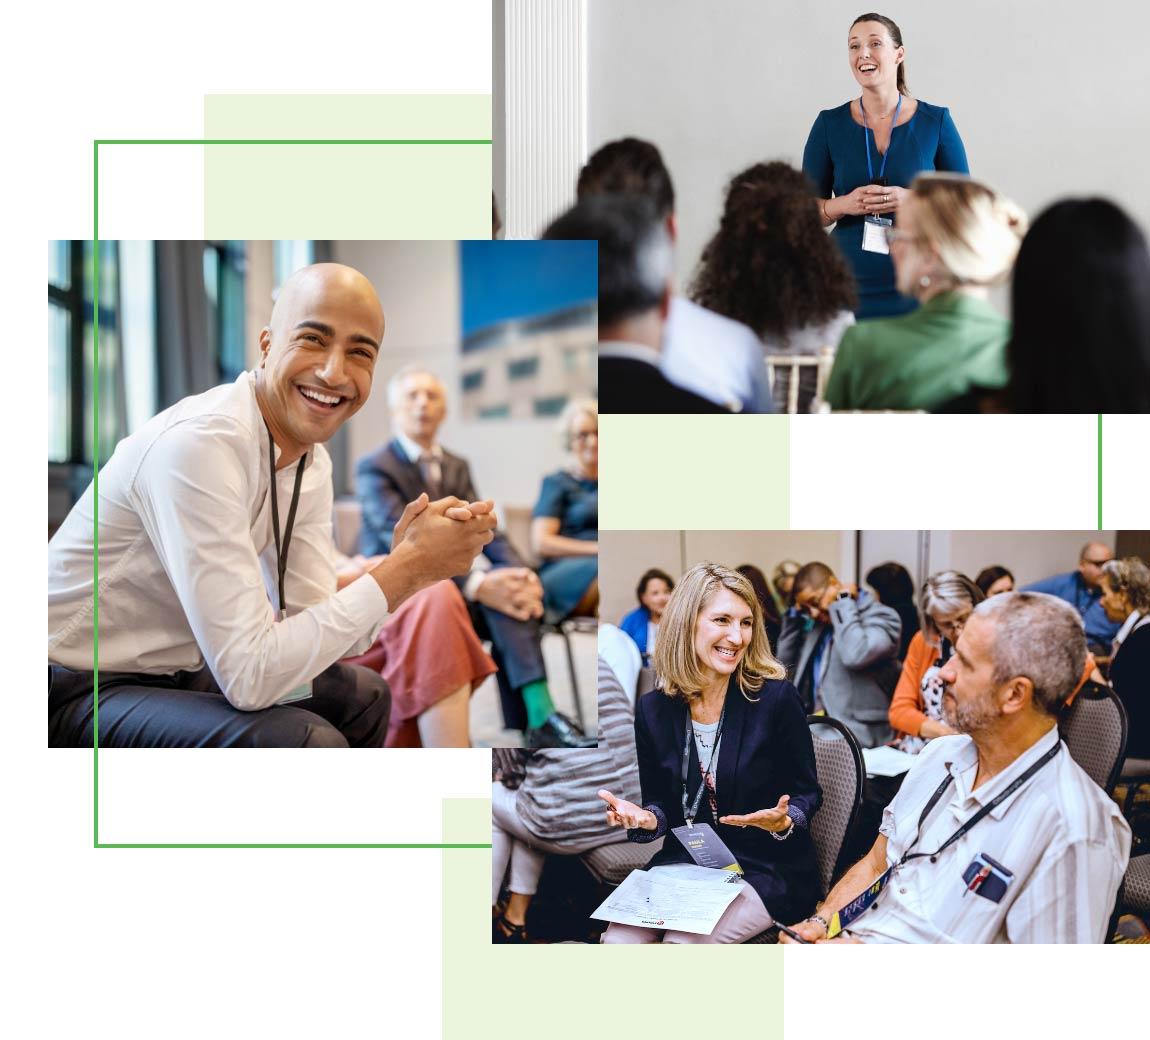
559, 796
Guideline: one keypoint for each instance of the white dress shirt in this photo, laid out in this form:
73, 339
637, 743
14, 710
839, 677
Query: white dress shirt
188, 560
1064, 840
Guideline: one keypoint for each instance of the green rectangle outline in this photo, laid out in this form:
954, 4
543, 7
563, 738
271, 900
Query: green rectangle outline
96, 142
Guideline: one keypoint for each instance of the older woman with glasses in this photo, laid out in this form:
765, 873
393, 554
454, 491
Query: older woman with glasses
1126, 598
946, 601
953, 239
565, 522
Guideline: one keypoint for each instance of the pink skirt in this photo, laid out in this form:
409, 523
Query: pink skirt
426, 650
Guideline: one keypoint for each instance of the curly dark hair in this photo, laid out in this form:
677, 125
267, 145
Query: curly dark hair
771, 265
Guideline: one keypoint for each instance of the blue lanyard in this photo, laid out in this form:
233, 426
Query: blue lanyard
866, 140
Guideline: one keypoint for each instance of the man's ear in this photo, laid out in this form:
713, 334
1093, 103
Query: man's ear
265, 344
673, 227
1016, 695
665, 301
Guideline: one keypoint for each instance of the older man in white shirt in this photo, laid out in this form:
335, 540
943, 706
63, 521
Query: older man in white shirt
219, 619
996, 834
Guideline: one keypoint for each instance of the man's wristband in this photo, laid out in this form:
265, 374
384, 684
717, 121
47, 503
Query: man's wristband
819, 919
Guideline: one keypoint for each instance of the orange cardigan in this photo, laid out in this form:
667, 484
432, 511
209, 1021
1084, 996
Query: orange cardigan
906, 714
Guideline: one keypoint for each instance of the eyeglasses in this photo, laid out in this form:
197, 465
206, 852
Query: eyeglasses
1097, 563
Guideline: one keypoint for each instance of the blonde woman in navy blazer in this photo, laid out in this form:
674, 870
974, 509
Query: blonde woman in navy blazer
715, 667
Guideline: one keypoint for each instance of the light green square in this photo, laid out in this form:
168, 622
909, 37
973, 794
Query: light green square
694, 472
348, 190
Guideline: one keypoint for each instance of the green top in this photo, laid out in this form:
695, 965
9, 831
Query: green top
919, 361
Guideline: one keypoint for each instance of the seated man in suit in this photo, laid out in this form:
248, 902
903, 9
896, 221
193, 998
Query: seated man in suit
846, 662
634, 300
504, 596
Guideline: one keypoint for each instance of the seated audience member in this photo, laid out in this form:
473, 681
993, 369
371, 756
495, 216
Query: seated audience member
504, 595
634, 297
703, 352
211, 635
1082, 589
431, 659
1126, 599
622, 656
953, 238
773, 268
751, 763
845, 663
916, 709
993, 580
1081, 313
565, 522
544, 801
996, 835
783, 583
893, 588
642, 623
772, 620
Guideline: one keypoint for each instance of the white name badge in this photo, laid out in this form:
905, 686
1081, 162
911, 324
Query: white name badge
874, 235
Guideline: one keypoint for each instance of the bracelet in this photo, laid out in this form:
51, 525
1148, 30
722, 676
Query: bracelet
783, 835
826, 215
819, 919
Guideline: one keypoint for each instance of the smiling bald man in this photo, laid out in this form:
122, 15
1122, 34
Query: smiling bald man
219, 620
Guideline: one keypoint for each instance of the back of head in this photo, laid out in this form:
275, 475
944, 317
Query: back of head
771, 265
634, 252
1081, 312
892, 582
629, 166
975, 231
1038, 637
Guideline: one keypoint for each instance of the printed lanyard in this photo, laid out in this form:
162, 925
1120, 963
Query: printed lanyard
282, 550
866, 141
977, 817
689, 814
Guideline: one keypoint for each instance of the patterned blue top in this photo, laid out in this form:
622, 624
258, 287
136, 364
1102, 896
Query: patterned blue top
835, 159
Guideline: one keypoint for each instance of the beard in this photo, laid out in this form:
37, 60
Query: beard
969, 716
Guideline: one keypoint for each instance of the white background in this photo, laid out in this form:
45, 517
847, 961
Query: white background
230, 943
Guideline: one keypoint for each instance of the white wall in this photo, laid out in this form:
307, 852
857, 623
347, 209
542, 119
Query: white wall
1049, 95
418, 283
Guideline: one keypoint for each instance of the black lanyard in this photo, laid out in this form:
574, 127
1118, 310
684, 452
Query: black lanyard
689, 814
977, 817
282, 550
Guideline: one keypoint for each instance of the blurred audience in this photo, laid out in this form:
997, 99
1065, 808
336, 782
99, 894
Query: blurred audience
1081, 313
1126, 600
954, 237
772, 617
634, 300
1082, 589
565, 522
705, 353
994, 579
892, 586
642, 623
773, 268
840, 646
504, 595
544, 801
916, 710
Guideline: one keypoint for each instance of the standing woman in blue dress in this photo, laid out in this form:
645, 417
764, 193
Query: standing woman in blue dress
862, 157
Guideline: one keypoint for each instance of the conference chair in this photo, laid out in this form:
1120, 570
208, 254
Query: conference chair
1134, 895
792, 366
1135, 774
610, 864
841, 774
1093, 728
347, 518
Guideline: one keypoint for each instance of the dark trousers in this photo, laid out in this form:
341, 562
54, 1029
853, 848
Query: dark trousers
349, 707
516, 649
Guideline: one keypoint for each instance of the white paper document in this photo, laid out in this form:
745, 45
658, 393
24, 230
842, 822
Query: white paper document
886, 761
679, 897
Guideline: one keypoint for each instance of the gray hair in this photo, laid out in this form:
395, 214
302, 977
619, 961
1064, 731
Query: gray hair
396, 381
1040, 638
1132, 577
947, 592
573, 409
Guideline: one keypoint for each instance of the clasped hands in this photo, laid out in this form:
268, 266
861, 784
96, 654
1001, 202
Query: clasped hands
873, 199
447, 534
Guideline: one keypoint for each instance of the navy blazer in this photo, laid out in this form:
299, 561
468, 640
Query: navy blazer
387, 480
766, 752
